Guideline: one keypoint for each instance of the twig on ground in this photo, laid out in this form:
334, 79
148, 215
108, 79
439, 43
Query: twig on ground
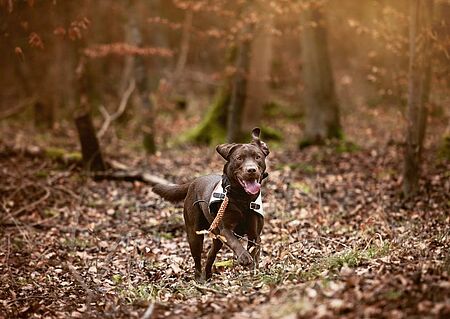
8, 252
19, 227
109, 118
110, 255
208, 289
149, 312
130, 176
67, 191
334, 241
17, 108
76, 275
33, 204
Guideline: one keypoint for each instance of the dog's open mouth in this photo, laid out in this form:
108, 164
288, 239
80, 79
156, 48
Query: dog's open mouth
250, 186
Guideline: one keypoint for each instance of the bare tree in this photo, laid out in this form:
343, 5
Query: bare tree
421, 14
140, 74
322, 109
239, 92
258, 90
239, 82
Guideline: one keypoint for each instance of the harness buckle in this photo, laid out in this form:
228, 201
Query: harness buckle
219, 195
254, 206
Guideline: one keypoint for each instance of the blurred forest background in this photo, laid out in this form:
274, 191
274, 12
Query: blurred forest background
154, 84
60, 56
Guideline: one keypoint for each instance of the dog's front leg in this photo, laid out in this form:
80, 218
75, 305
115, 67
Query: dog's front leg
244, 258
255, 226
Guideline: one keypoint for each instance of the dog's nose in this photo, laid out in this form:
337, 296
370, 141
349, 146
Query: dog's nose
251, 169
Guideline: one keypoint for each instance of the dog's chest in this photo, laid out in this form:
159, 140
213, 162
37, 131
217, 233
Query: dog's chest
218, 195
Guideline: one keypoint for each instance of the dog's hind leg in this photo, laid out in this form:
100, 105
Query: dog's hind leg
216, 245
196, 246
195, 221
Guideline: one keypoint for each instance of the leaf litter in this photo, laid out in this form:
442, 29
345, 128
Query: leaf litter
338, 241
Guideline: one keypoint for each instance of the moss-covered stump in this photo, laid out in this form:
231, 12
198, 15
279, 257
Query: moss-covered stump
271, 134
444, 149
212, 129
335, 135
59, 154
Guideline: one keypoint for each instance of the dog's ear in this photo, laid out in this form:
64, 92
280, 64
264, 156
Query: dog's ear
257, 141
255, 133
225, 149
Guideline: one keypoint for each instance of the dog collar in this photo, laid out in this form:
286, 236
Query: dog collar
218, 195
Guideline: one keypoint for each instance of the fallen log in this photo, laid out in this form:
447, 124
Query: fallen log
117, 171
129, 176
53, 153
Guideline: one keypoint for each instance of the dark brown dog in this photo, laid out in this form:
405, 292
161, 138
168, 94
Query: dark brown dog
242, 176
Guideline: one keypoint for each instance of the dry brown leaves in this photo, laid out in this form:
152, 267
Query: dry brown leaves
338, 242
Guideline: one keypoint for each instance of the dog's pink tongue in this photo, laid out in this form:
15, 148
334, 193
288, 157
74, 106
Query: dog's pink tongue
252, 187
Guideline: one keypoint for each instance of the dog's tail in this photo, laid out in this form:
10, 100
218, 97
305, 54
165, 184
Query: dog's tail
172, 192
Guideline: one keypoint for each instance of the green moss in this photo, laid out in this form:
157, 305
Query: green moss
55, 153
303, 187
351, 258
334, 136
73, 157
274, 277
117, 279
75, 243
166, 235
306, 168
393, 294
41, 174
343, 146
51, 212
444, 149
270, 134
141, 293
212, 129
224, 263
304, 143
148, 142
276, 109
60, 154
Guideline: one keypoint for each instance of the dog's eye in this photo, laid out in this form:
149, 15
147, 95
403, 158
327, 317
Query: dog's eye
239, 158
258, 157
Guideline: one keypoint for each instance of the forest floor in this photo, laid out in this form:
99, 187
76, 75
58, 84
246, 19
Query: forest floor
339, 241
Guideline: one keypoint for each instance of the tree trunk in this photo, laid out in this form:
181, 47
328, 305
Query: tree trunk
212, 129
239, 83
421, 12
321, 106
184, 47
139, 72
238, 93
90, 148
258, 90
43, 114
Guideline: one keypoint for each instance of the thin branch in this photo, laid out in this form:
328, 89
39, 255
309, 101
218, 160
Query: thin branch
129, 176
17, 108
208, 289
109, 118
334, 241
33, 204
184, 50
149, 312
76, 275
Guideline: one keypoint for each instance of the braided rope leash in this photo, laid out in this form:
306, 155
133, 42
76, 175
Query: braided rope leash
220, 213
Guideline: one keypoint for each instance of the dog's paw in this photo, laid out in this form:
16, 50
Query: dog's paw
245, 259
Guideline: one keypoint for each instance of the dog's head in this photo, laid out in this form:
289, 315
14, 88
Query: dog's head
246, 163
